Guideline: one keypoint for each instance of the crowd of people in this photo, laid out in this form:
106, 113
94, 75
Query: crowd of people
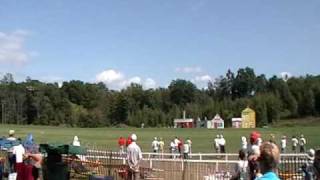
23, 156
283, 143
258, 159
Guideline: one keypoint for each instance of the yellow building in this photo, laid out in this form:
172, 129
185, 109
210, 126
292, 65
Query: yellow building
248, 118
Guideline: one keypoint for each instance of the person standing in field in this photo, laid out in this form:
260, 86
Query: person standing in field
155, 145
76, 141
244, 143
283, 144
161, 147
216, 144
302, 143
295, 142
180, 146
189, 142
222, 144
186, 150
172, 148
134, 156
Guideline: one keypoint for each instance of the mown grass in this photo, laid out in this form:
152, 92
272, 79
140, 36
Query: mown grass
202, 138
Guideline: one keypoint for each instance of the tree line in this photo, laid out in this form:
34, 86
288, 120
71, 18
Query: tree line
81, 104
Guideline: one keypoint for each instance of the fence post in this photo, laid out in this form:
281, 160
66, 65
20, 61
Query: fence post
200, 156
150, 163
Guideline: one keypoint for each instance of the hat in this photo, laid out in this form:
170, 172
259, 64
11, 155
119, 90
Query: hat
311, 153
254, 136
11, 132
134, 137
155, 138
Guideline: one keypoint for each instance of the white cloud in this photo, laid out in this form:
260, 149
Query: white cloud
114, 79
195, 69
203, 78
109, 76
12, 48
149, 84
202, 81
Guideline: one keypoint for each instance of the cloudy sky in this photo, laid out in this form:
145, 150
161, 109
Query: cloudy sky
153, 42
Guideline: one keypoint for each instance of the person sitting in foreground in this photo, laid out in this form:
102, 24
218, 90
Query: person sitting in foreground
241, 169
268, 161
316, 164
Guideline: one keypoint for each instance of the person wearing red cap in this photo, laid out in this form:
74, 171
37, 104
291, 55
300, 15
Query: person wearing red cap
121, 143
253, 154
128, 142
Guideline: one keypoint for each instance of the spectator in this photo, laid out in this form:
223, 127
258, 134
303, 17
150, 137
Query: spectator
172, 148
259, 143
11, 156
244, 143
241, 171
295, 142
134, 156
254, 153
302, 143
189, 142
180, 144
76, 141
128, 141
222, 144
307, 169
176, 143
161, 146
155, 145
268, 161
316, 164
19, 153
121, 143
11, 136
283, 144
216, 144
186, 150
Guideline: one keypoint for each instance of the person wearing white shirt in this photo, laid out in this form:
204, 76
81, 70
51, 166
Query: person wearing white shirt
283, 144
302, 143
222, 144
155, 145
19, 153
76, 141
186, 150
189, 142
295, 142
172, 148
216, 144
244, 143
134, 156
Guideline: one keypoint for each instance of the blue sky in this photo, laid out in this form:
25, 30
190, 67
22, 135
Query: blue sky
153, 42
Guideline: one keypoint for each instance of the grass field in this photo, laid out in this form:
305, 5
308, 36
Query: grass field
202, 138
